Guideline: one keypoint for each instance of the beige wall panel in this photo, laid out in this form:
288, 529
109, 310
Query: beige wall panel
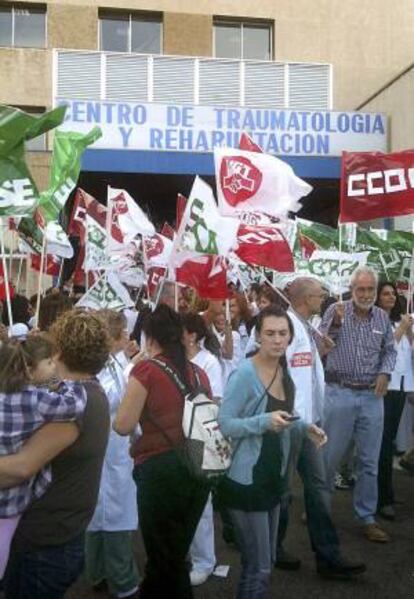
397, 100
39, 163
25, 77
189, 35
71, 26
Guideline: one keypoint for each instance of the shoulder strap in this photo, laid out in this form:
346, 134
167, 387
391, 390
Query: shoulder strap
173, 374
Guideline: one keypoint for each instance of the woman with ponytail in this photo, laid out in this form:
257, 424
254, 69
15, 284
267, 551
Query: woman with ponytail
170, 501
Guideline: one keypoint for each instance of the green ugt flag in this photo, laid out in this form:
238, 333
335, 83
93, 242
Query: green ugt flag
18, 191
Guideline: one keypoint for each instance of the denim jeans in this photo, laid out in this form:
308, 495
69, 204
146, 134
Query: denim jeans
45, 573
256, 534
322, 533
359, 415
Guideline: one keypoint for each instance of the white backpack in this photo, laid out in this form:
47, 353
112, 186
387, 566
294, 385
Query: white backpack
206, 452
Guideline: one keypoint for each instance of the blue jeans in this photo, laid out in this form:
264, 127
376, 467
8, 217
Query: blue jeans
256, 534
358, 415
45, 573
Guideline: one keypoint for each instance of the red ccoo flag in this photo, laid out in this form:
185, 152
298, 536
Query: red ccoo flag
376, 185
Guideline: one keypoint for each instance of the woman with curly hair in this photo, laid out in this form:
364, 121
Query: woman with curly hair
47, 552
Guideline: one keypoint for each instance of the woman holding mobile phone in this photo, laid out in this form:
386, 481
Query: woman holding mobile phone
257, 413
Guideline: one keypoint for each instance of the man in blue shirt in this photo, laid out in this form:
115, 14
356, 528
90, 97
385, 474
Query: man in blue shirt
358, 369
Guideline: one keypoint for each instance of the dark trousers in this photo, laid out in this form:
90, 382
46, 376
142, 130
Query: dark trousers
322, 533
393, 407
170, 504
45, 573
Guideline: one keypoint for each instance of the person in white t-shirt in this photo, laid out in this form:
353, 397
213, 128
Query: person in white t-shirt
200, 344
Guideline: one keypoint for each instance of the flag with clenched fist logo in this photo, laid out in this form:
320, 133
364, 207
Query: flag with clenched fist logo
252, 182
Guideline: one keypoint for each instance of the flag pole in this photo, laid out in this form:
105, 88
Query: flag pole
5, 274
19, 274
176, 297
410, 285
40, 281
340, 261
59, 281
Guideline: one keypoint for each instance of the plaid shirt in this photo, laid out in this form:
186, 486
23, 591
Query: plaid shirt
21, 414
364, 348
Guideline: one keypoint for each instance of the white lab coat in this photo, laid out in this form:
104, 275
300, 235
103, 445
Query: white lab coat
305, 368
404, 366
116, 509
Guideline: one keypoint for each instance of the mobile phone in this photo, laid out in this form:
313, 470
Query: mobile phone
292, 418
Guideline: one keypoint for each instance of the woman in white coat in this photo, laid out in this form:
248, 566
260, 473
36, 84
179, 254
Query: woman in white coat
402, 381
109, 552
196, 334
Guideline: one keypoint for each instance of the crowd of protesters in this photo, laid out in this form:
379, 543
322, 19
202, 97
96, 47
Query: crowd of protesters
91, 432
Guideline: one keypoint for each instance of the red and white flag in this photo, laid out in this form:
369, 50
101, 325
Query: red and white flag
256, 182
157, 251
264, 246
127, 215
51, 264
376, 185
85, 203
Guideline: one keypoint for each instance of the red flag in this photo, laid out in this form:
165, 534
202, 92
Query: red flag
376, 185
206, 274
3, 286
264, 246
180, 208
51, 266
246, 143
168, 231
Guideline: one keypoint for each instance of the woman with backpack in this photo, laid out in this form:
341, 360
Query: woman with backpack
170, 500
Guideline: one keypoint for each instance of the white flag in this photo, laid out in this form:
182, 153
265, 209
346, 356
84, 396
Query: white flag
57, 241
127, 215
107, 292
254, 182
95, 245
202, 229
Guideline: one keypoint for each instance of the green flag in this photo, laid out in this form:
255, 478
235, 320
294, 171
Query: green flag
18, 191
68, 148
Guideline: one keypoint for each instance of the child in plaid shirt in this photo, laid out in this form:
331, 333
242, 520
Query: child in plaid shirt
26, 403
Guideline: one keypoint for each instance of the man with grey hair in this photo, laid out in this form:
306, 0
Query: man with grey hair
358, 369
305, 367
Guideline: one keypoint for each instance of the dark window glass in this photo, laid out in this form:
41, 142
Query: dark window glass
256, 42
29, 27
5, 26
115, 33
227, 41
145, 36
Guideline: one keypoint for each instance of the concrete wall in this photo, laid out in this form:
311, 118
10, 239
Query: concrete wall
397, 99
187, 34
25, 77
367, 41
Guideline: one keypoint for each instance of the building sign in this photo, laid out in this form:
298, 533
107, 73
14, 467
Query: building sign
187, 128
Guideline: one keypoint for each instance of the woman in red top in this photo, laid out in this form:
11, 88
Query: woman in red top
170, 501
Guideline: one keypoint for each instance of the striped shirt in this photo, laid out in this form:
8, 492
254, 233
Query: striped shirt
21, 414
364, 347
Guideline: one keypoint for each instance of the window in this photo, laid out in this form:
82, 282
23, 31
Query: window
130, 32
23, 25
247, 40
